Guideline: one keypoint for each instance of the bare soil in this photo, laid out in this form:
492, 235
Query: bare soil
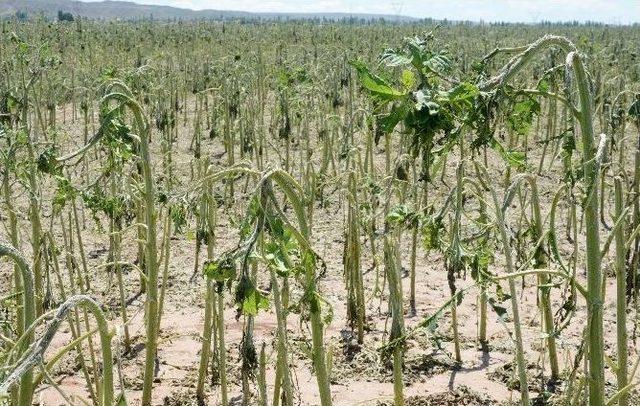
359, 375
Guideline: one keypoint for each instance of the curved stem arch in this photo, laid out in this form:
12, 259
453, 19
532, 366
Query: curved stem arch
591, 171
35, 354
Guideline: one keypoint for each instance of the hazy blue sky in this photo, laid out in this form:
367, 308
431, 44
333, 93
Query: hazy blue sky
611, 11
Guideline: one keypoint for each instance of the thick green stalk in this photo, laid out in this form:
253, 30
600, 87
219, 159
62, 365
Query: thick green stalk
207, 215
124, 97
35, 353
294, 194
482, 327
25, 395
141, 247
222, 350
165, 260
455, 259
34, 204
317, 338
36, 230
621, 295
510, 268
283, 356
591, 220
13, 236
591, 180
116, 227
262, 376
544, 280
397, 315
205, 351
151, 264
482, 300
151, 272
353, 269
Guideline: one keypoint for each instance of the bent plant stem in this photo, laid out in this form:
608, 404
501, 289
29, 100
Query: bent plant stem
353, 271
510, 268
621, 299
544, 281
594, 272
541, 262
36, 352
222, 350
397, 323
455, 261
591, 179
25, 395
283, 358
206, 341
210, 316
119, 93
151, 270
151, 266
294, 194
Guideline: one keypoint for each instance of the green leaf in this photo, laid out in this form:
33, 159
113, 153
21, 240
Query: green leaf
432, 233
543, 85
398, 214
178, 214
424, 99
408, 79
191, 235
388, 122
220, 270
254, 300
47, 163
248, 298
64, 192
521, 117
464, 93
393, 57
515, 159
13, 104
415, 46
275, 258
439, 63
276, 227
379, 87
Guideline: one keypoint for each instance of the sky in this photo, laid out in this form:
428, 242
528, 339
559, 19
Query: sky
607, 11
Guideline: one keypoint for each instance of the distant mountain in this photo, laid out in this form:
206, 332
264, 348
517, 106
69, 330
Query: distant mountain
110, 10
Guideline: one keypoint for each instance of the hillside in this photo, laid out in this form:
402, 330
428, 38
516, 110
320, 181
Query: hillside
127, 10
